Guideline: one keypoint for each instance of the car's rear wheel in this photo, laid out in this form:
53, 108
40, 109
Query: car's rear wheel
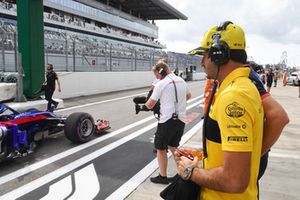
79, 127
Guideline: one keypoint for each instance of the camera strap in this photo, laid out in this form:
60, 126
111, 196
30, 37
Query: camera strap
176, 96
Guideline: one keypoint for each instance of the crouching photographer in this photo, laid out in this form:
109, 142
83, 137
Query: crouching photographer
172, 91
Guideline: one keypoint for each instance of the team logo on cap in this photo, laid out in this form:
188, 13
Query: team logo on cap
235, 110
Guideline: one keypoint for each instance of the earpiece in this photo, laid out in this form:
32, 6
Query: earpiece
219, 52
161, 71
159, 67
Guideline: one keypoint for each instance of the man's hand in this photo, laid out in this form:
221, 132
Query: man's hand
196, 152
183, 162
150, 104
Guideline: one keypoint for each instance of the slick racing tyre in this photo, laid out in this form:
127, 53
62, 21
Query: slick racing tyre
79, 127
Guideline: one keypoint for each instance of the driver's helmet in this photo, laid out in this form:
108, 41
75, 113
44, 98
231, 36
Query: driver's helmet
2, 108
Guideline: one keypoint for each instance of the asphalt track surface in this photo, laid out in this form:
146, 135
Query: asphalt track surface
281, 179
61, 170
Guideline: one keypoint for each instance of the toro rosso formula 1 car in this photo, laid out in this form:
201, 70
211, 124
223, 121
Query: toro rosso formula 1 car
19, 131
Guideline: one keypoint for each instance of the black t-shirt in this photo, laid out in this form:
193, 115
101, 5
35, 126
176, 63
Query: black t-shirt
270, 77
51, 77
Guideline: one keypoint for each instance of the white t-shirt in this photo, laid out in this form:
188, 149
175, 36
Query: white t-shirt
165, 91
155, 81
298, 75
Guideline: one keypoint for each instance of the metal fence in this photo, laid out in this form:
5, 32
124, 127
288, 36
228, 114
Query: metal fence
72, 53
8, 52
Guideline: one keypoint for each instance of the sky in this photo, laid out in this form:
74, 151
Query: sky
272, 27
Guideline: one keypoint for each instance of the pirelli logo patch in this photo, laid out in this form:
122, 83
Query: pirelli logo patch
237, 138
235, 110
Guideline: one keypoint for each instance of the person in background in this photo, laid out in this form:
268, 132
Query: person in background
276, 77
262, 76
51, 78
284, 77
173, 92
270, 76
275, 120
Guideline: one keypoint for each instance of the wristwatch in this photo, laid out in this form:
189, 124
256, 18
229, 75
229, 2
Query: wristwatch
187, 173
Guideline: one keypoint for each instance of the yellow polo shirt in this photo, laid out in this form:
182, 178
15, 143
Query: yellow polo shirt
235, 124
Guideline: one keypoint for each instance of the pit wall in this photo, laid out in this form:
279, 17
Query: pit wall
74, 84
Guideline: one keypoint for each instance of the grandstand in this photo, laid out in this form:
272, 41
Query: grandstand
96, 35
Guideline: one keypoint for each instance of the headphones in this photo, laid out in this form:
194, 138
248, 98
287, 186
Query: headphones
219, 52
161, 71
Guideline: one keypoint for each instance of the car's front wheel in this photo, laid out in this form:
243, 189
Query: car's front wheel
79, 127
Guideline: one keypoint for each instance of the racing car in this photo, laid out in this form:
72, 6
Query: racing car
20, 131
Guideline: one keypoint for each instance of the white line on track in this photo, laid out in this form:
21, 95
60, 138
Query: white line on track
100, 102
142, 175
110, 100
35, 166
282, 153
115, 99
77, 163
71, 166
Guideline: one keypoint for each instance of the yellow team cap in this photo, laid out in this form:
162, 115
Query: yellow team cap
232, 34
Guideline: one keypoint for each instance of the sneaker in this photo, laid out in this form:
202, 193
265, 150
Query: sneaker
172, 179
159, 179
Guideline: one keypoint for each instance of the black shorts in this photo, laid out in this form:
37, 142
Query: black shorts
168, 134
269, 84
299, 83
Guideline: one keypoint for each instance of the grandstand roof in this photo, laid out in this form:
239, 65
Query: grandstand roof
149, 9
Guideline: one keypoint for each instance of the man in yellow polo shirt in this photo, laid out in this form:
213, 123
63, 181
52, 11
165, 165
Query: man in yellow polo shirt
233, 129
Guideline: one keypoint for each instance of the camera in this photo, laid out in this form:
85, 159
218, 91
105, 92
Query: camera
140, 100
140, 105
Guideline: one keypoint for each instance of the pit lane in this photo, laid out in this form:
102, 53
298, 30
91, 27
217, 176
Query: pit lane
139, 148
